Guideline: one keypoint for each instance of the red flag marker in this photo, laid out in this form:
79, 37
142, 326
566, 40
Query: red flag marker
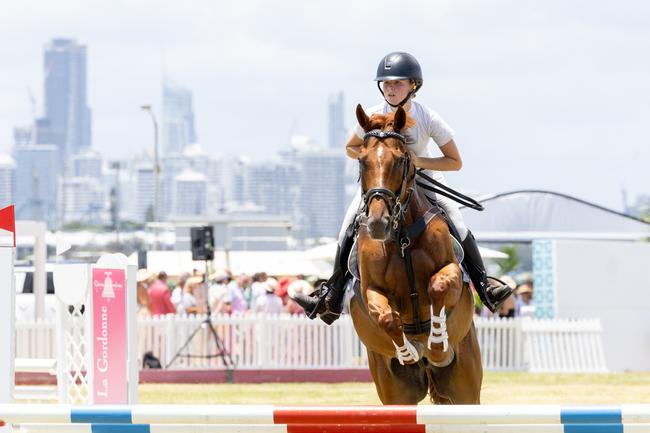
8, 221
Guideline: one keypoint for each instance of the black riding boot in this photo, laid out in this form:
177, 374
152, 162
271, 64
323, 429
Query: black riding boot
327, 302
492, 295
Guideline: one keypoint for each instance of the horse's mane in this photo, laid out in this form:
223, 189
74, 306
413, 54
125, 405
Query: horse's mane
382, 121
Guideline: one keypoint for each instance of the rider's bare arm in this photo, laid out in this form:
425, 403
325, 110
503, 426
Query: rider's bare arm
451, 161
353, 146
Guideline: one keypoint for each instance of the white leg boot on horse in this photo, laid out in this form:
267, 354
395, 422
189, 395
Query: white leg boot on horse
390, 322
445, 291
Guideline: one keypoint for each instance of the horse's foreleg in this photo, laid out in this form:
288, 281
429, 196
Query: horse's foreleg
390, 321
444, 292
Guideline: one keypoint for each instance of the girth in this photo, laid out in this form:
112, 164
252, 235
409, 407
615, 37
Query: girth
407, 236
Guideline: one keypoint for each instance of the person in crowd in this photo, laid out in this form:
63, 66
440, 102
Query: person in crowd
258, 287
223, 305
525, 306
160, 297
189, 304
236, 290
218, 288
269, 303
296, 286
282, 290
177, 293
142, 283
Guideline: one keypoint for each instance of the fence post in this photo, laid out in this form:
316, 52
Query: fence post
519, 345
7, 330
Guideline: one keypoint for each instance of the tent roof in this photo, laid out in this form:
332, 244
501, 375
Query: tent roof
537, 214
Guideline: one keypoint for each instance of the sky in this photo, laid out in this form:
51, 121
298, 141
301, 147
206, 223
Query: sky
542, 94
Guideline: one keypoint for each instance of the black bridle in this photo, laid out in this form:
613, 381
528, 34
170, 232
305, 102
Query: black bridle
404, 235
396, 207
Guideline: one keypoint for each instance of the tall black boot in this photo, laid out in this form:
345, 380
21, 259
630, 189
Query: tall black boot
492, 293
327, 301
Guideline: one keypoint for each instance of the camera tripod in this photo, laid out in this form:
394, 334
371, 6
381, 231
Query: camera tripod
221, 351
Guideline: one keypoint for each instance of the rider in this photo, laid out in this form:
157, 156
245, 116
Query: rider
399, 77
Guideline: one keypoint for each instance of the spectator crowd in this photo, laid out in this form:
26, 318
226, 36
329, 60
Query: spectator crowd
188, 293
259, 293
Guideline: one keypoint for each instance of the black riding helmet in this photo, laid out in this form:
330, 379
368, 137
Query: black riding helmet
399, 66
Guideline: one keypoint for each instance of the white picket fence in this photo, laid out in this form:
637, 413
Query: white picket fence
295, 342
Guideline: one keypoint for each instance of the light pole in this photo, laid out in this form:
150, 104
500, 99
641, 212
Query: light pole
156, 165
115, 202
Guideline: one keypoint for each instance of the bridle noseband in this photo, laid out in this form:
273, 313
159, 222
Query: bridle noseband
396, 211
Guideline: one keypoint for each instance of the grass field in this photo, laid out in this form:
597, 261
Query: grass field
498, 388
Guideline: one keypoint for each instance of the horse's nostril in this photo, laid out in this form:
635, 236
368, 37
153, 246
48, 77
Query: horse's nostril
377, 227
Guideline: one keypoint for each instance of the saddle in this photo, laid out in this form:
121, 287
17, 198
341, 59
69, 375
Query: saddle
350, 263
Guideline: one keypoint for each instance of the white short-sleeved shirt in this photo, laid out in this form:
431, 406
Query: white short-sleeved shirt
428, 125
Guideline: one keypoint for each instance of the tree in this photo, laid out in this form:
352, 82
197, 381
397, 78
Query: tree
513, 260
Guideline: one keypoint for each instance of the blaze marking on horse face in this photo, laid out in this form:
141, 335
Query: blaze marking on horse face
380, 156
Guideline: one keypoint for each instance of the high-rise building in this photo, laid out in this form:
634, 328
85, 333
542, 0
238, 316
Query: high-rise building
37, 175
189, 194
322, 192
82, 200
144, 179
67, 118
23, 135
336, 132
236, 179
178, 118
87, 164
7, 180
195, 158
274, 186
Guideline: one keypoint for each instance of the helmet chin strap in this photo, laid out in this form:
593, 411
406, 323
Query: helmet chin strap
401, 104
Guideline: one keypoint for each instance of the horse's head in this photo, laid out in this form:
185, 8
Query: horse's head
386, 170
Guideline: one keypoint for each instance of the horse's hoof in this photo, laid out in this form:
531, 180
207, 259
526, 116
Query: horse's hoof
451, 355
406, 354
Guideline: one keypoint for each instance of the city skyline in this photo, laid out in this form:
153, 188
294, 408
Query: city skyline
530, 89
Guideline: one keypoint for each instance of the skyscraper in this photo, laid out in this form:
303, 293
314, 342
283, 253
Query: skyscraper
37, 172
82, 199
144, 191
7, 180
189, 194
178, 118
67, 117
322, 192
273, 185
336, 132
23, 135
87, 164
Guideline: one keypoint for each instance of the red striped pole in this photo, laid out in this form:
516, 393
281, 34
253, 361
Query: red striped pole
345, 415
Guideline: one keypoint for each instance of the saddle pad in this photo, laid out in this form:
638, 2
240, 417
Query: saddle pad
353, 259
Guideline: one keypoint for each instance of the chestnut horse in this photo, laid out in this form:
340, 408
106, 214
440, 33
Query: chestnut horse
419, 334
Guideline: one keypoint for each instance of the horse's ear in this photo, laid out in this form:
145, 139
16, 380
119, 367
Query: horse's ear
362, 118
400, 119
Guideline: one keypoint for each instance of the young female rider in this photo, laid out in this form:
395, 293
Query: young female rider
399, 77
